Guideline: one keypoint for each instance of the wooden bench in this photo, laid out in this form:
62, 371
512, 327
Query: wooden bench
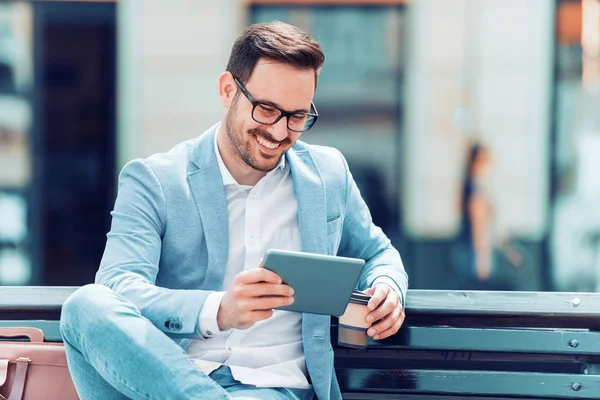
454, 345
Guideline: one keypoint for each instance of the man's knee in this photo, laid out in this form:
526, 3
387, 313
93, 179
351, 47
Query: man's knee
85, 305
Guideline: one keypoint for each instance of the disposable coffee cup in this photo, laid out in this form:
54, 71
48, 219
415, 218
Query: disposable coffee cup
352, 325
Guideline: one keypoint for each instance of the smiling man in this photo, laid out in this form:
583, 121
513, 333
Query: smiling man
181, 308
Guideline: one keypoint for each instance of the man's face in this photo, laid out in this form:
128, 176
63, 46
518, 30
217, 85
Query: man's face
261, 146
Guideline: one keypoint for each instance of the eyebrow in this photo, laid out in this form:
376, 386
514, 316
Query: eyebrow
270, 103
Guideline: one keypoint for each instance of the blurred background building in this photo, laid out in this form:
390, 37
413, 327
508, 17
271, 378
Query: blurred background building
407, 88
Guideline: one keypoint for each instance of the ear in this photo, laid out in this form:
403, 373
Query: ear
227, 88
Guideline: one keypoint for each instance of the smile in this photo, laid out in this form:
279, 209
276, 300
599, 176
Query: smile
264, 142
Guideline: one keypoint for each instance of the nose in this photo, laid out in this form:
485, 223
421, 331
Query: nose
279, 131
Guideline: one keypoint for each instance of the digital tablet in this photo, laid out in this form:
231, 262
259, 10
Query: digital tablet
322, 284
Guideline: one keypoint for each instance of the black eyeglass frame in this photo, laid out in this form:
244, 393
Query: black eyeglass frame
282, 113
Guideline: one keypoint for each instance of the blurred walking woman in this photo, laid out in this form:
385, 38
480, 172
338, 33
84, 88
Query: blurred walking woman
475, 241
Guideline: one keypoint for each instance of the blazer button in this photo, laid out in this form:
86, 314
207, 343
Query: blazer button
173, 325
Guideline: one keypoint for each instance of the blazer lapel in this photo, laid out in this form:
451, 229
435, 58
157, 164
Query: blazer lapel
310, 196
312, 223
209, 195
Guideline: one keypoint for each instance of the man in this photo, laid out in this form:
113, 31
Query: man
179, 310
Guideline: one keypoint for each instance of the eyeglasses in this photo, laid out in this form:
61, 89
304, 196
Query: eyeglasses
267, 114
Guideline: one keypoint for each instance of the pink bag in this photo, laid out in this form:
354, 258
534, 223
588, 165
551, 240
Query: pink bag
33, 370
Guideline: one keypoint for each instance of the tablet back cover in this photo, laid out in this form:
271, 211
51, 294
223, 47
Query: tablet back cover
322, 284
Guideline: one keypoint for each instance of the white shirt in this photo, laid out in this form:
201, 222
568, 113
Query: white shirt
270, 353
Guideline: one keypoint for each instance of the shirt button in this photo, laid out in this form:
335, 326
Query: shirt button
209, 333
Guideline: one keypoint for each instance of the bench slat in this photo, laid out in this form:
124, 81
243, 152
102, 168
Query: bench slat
382, 355
26, 298
416, 396
550, 304
419, 302
556, 341
530, 385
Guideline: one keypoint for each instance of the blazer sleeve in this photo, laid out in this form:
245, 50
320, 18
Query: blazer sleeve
363, 239
131, 258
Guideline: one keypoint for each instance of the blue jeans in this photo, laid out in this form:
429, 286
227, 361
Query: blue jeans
113, 352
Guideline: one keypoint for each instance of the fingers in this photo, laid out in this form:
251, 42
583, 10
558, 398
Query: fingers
252, 297
370, 291
390, 302
386, 326
262, 296
378, 294
266, 303
256, 275
387, 314
382, 332
262, 289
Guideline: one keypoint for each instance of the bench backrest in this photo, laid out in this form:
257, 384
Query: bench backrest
499, 345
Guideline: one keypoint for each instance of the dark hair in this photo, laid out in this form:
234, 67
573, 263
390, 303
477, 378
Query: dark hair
468, 187
276, 41
474, 152
475, 149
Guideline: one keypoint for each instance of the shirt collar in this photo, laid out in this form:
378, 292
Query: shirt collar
228, 179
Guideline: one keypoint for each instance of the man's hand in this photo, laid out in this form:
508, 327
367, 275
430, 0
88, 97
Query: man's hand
251, 298
385, 305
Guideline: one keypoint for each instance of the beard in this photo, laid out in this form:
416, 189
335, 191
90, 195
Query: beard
243, 142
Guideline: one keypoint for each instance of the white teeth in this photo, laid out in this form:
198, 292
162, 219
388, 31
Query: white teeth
266, 143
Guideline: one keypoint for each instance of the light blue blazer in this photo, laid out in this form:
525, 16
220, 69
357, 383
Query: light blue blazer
168, 244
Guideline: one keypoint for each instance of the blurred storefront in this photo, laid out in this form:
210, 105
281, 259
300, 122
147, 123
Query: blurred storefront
360, 92
406, 88
57, 133
576, 157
